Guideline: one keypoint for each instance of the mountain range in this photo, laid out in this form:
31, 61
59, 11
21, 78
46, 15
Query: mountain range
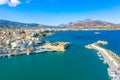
85, 24
93, 24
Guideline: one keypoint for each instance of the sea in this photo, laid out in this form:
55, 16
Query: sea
76, 63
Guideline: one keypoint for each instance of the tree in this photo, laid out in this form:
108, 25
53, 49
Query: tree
9, 45
36, 35
40, 43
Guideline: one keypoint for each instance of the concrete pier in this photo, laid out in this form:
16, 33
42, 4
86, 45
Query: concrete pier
109, 57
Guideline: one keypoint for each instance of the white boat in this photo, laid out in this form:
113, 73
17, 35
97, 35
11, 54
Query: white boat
37, 51
101, 58
42, 50
99, 55
104, 62
97, 33
28, 53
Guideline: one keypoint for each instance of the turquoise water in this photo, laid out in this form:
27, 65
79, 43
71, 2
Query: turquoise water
77, 63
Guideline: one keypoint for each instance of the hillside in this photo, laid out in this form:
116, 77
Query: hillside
93, 24
6, 23
85, 24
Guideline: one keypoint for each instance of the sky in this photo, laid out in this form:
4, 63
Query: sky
55, 12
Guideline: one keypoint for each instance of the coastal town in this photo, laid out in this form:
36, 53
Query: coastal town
59, 39
109, 57
27, 41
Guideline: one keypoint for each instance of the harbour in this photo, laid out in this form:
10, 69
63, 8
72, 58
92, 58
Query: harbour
59, 40
76, 63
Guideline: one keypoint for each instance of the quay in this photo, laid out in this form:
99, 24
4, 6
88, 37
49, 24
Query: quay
109, 58
57, 46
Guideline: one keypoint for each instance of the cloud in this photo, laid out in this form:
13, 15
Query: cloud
12, 3
3, 2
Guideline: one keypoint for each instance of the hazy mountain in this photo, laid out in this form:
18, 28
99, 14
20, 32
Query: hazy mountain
6, 23
93, 24
85, 24
13, 24
62, 25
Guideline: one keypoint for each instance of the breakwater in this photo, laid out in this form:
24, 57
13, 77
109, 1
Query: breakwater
109, 57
